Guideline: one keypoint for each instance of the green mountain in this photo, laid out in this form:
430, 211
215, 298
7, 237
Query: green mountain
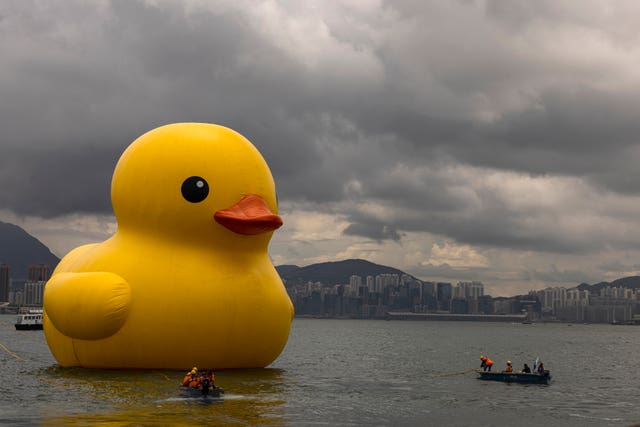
331, 273
19, 249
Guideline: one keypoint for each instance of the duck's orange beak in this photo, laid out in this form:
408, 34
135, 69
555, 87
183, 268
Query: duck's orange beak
249, 216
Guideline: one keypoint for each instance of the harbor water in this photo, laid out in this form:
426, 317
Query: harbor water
349, 372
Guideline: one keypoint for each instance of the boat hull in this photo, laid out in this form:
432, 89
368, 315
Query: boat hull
196, 392
515, 377
28, 327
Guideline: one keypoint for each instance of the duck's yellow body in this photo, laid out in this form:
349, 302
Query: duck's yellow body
186, 279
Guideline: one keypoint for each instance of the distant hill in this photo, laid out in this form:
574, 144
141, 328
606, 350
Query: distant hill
632, 282
339, 272
333, 272
19, 249
627, 282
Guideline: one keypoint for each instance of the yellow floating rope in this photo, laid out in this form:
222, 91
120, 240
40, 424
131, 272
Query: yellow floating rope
11, 353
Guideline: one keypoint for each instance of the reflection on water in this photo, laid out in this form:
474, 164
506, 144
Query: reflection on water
154, 398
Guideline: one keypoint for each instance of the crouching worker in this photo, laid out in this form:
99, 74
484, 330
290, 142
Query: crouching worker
486, 363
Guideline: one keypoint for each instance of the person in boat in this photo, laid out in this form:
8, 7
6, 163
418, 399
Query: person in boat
207, 382
192, 371
211, 377
486, 363
526, 369
541, 368
191, 379
509, 368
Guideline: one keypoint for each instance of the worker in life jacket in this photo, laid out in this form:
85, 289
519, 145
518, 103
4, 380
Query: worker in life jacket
210, 376
191, 378
207, 382
486, 363
509, 368
195, 381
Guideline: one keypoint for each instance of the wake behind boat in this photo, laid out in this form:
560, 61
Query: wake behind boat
515, 377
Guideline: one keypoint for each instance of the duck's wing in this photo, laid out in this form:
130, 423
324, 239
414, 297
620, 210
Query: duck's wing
87, 306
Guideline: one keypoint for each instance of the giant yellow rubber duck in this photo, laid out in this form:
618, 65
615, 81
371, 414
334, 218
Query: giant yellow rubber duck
186, 279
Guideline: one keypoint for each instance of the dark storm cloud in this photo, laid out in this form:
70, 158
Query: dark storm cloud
94, 80
372, 229
396, 116
48, 182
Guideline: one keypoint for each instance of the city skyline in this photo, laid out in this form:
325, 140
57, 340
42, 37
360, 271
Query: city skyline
398, 296
401, 296
40, 272
487, 140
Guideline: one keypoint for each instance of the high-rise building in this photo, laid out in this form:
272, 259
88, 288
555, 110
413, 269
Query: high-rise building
34, 292
39, 272
16, 297
469, 290
387, 279
4, 282
444, 294
371, 284
553, 298
355, 282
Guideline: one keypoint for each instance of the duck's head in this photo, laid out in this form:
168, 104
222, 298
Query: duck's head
195, 182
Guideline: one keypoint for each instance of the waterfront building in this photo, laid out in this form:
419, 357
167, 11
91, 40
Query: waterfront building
388, 280
377, 296
468, 290
429, 289
485, 305
444, 295
39, 273
355, 281
371, 284
576, 297
553, 298
459, 306
607, 309
502, 305
34, 292
16, 298
5, 282
356, 287
429, 296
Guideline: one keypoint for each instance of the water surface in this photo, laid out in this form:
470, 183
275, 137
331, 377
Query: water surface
349, 372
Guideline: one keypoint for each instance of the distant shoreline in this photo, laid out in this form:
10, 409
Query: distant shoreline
435, 317
519, 318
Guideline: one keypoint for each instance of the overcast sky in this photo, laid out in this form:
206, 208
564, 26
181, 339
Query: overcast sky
455, 140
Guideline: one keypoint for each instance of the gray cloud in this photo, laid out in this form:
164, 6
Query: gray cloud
498, 124
50, 182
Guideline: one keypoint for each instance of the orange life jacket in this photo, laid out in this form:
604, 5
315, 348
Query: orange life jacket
195, 382
186, 380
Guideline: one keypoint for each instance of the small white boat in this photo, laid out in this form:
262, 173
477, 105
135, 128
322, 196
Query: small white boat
29, 320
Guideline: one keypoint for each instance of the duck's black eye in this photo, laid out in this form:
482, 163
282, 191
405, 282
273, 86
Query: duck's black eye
195, 189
